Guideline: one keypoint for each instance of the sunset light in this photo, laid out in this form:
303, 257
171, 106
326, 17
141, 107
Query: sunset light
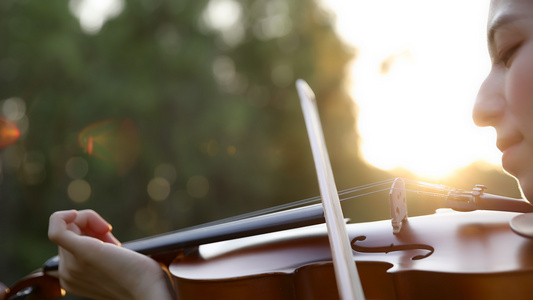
415, 77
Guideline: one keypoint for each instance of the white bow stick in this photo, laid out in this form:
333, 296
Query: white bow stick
348, 282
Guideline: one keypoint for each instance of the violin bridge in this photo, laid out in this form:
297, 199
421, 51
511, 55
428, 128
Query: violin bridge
398, 205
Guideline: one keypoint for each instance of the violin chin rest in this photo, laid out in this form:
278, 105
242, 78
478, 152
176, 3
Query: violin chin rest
523, 225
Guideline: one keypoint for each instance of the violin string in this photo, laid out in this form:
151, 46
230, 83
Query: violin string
443, 192
406, 190
427, 185
292, 205
426, 193
352, 190
318, 198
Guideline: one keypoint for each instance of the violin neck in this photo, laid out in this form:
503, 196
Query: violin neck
191, 238
182, 239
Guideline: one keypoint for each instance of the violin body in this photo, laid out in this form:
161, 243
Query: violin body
448, 255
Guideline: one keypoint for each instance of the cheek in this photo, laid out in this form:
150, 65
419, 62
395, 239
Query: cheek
519, 89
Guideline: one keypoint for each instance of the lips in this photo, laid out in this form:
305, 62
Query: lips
508, 145
504, 143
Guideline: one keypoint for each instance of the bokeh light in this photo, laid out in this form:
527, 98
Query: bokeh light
115, 141
79, 190
158, 189
9, 133
14, 108
224, 17
93, 14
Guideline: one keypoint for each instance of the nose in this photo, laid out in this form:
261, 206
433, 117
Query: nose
490, 101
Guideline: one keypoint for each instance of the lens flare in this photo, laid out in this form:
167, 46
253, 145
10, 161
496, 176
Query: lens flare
115, 141
9, 133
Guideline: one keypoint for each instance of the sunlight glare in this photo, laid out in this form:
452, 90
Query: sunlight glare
415, 78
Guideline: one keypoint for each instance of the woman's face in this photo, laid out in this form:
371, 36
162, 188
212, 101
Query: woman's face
505, 99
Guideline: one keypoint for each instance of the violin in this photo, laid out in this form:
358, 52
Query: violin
449, 255
480, 250
472, 252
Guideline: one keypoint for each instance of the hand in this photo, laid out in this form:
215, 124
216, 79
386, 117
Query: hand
92, 263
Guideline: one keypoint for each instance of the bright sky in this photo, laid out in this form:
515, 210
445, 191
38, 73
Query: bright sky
417, 115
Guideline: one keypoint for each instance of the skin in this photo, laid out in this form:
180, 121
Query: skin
505, 99
93, 265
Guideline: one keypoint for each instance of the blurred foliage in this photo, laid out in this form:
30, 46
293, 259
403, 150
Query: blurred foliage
213, 123
215, 111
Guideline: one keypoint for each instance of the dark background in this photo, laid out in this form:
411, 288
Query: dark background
172, 123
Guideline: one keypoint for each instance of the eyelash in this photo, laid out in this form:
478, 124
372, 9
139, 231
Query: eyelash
506, 56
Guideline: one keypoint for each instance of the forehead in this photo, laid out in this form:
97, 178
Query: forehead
505, 8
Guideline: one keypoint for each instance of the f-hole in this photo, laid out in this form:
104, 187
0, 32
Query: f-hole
392, 247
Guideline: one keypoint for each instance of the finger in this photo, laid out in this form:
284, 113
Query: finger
67, 228
92, 224
59, 222
62, 231
108, 238
96, 226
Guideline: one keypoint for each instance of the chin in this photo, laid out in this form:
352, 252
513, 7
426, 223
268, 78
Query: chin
526, 188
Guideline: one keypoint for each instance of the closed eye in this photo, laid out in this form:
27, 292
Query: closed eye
506, 56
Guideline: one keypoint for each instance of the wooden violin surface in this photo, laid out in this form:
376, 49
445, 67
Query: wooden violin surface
448, 255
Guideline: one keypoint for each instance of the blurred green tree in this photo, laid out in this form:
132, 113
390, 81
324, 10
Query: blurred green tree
168, 114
